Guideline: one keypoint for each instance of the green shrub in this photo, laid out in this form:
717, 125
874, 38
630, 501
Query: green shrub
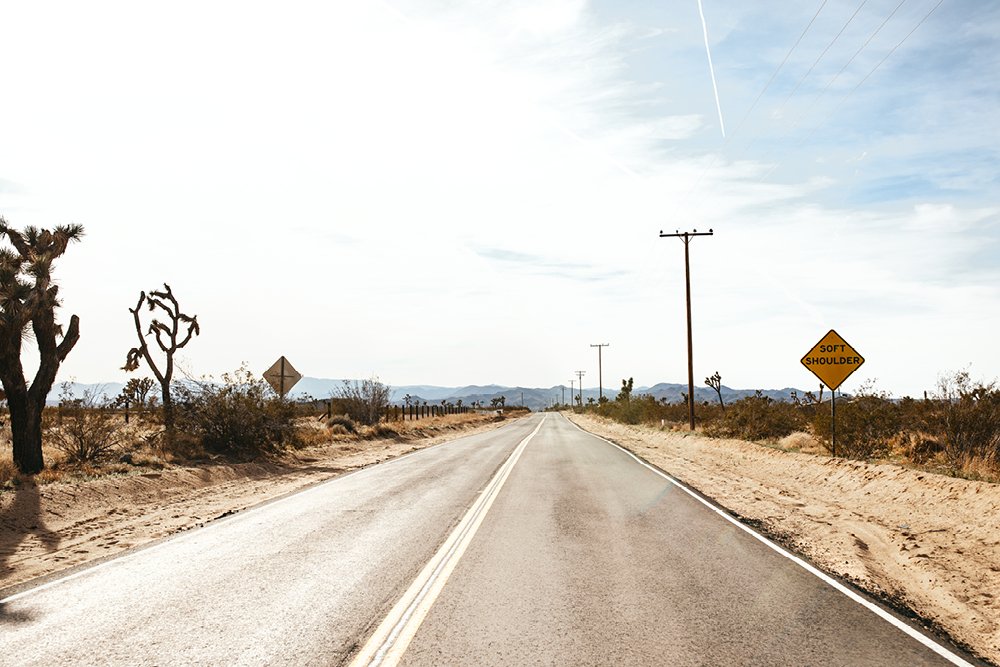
866, 424
645, 409
239, 417
966, 415
757, 417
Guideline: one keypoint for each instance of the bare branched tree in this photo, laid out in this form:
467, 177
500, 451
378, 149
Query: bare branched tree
169, 338
365, 402
28, 298
715, 382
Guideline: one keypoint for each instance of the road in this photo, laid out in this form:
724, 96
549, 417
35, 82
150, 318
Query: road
534, 544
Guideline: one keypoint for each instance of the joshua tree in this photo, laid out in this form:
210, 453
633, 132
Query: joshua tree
166, 335
715, 382
625, 395
29, 298
135, 391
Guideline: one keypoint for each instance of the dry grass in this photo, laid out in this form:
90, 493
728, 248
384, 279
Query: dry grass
142, 455
801, 442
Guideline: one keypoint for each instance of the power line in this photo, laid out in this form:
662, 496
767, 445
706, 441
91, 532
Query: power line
791, 128
893, 49
852, 58
782, 64
812, 104
828, 47
714, 160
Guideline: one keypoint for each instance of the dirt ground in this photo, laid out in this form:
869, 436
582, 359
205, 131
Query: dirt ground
46, 528
924, 542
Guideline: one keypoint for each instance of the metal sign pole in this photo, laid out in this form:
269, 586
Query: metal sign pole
282, 392
833, 421
832, 360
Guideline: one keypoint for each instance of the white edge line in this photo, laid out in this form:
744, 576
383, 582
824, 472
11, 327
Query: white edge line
390, 639
191, 533
827, 579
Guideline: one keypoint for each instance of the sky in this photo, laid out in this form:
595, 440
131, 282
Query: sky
457, 193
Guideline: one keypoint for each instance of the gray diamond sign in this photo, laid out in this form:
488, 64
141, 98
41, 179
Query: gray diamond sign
281, 376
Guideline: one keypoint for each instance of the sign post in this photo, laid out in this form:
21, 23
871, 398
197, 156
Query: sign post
281, 376
832, 360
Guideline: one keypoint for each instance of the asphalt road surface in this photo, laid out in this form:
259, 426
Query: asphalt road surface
535, 544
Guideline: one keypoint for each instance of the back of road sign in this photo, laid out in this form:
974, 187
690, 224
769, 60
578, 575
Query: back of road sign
832, 360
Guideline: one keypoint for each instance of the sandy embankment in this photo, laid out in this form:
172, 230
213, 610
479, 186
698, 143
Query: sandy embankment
51, 527
926, 542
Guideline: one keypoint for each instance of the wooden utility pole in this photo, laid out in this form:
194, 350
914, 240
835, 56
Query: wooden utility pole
580, 374
600, 374
686, 238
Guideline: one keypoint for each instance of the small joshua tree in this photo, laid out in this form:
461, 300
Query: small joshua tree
28, 298
135, 392
715, 382
625, 395
169, 339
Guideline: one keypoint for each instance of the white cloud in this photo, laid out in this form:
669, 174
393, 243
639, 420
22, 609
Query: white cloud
322, 182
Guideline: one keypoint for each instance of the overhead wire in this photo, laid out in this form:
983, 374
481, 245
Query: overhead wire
893, 49
789, 128
774, 74
856, 54
820, 57
843, 99
715, 156
802, 79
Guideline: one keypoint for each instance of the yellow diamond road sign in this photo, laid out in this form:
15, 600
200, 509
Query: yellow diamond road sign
832, 360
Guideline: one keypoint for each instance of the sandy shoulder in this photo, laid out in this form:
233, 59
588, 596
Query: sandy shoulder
51, 527
927, 542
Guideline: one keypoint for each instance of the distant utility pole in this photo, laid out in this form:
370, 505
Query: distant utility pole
686, 237
579, 375
563, 387
572, 395
600, 374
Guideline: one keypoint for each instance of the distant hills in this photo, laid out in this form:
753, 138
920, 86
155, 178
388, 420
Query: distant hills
535, 398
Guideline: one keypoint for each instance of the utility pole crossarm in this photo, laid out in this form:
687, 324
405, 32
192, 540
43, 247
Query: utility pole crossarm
685, 236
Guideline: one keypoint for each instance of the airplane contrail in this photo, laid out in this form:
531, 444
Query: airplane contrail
711, 69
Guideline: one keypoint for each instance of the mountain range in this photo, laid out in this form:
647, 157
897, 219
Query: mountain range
535, 398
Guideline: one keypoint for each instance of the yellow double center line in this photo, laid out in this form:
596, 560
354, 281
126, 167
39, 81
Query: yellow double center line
387, 645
